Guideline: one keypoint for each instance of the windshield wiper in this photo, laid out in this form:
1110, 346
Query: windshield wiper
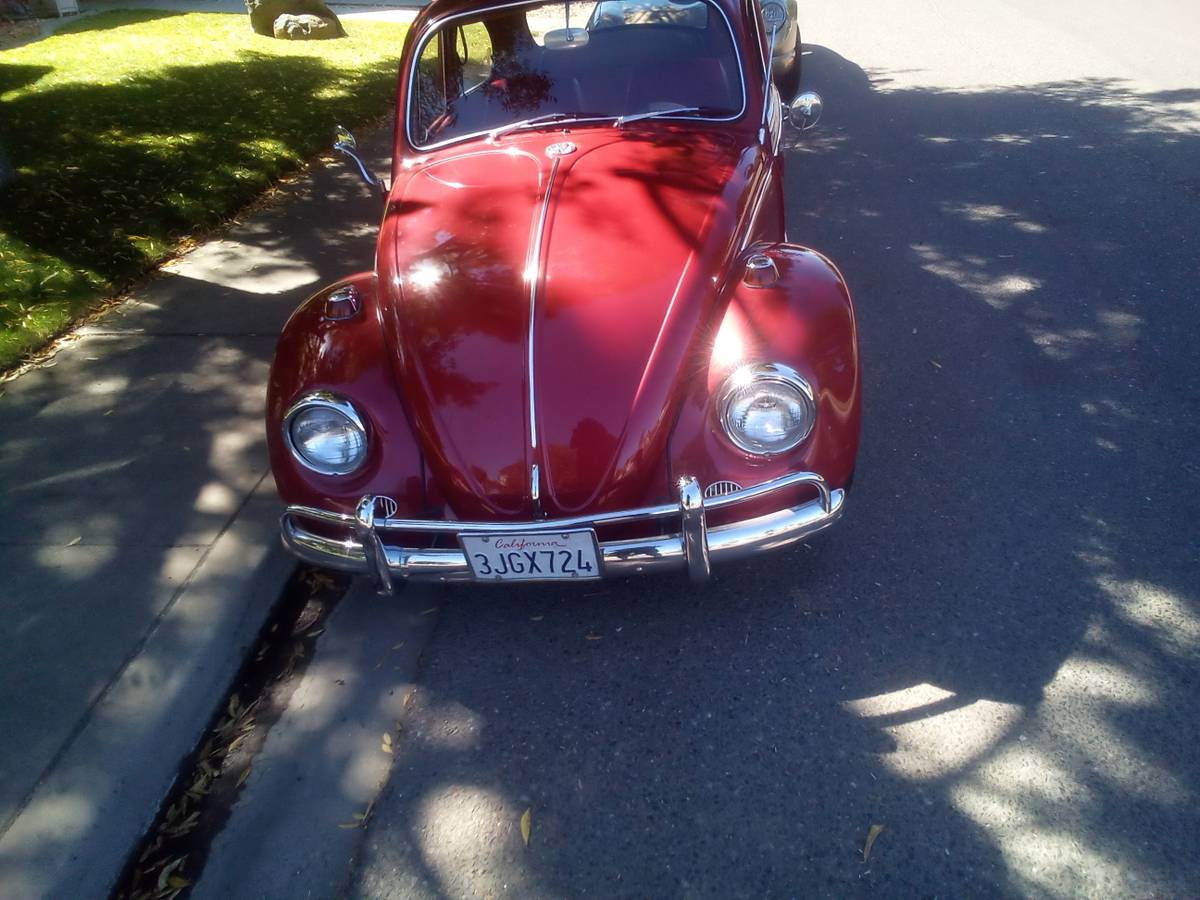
659, 113
545, 119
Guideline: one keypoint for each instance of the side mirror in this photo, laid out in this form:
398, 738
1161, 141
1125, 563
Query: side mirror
343, 139
344, 143
805, 111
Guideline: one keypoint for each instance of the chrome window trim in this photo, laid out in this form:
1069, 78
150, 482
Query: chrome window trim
327, 400
759, 35
774, 116
768, 372
755, 207
423, 41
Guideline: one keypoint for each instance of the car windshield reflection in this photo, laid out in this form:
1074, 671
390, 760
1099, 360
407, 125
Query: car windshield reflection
494, 72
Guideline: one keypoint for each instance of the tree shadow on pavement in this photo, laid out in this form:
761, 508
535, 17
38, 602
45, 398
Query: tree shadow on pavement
994, 654
121, 460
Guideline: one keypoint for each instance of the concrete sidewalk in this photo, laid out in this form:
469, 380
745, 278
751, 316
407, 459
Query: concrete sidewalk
138, 537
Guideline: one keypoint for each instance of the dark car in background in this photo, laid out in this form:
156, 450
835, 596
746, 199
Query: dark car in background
781, 16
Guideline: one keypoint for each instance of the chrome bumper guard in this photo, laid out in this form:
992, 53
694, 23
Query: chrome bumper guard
693, 547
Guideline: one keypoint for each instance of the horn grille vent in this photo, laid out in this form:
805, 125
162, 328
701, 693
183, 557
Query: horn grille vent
722, 488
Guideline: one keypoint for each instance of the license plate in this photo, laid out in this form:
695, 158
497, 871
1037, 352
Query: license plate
539, 556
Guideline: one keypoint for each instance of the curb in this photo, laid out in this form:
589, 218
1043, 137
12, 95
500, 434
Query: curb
74, 833
300, 817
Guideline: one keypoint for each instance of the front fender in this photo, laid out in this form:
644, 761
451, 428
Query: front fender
349, 357
804, 320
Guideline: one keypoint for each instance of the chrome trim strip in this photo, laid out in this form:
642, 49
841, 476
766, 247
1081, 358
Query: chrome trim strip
755, 209
775, 119
434, 24
535, 490
767, 75
533, 267
666, 552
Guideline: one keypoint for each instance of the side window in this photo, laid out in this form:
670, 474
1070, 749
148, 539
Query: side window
454, 63
429, 88
474, 48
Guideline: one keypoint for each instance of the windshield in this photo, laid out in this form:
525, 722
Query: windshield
491, 71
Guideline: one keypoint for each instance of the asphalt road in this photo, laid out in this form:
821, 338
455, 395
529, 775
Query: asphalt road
995, 654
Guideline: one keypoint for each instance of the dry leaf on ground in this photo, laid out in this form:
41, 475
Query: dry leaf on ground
872, 833
168, 871
526, 825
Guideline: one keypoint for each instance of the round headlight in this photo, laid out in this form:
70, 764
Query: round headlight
767, 408
326, 434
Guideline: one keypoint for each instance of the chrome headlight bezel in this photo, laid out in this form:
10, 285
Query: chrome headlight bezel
343, 407
765, 373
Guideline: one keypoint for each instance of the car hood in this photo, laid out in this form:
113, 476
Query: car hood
591, 275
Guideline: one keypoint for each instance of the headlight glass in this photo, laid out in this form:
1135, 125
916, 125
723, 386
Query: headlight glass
326, 434
767, 409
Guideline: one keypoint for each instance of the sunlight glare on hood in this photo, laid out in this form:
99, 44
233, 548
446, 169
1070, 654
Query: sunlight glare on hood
729, 348
426, 275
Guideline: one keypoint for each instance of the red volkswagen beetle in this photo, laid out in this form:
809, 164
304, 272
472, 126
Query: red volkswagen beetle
587, 348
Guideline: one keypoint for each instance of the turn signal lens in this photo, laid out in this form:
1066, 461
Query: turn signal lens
342, 303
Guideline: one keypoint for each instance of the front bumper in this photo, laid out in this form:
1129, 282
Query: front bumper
691, 547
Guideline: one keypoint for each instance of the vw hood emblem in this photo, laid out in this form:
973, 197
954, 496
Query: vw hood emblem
562, 148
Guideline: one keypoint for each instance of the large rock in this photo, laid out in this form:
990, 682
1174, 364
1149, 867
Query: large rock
305, 27
263, 14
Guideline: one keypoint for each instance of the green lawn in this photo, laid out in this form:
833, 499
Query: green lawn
132, 130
